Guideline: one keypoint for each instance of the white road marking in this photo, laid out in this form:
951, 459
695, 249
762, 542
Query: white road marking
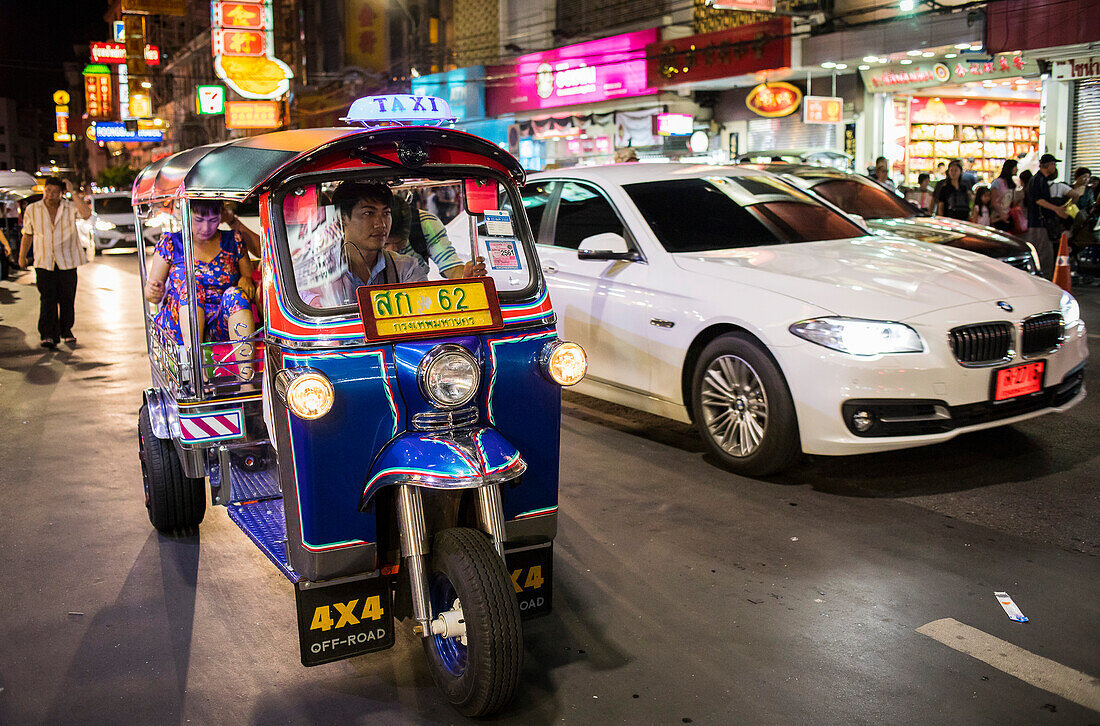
1073, 685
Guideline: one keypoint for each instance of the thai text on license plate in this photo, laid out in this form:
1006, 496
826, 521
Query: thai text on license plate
429, 309
1018, 380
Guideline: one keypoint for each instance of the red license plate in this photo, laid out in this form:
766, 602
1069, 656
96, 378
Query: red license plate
1018, 380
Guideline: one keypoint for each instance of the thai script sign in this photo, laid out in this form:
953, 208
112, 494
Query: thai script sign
589, 72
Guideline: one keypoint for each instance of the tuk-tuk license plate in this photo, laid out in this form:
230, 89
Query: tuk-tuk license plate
344, 620
1018, 380
426, 309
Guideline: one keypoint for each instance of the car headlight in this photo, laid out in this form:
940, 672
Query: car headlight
860, 337
564, 363
307, 392
448, 376
1071, 311
104, 226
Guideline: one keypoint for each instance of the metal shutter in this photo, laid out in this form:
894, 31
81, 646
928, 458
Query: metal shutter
790, 133
1086, 126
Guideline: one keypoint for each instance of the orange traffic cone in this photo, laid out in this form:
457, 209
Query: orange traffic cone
1061, 267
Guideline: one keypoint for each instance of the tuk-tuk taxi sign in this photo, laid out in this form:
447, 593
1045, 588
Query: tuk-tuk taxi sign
400, 109
427, 309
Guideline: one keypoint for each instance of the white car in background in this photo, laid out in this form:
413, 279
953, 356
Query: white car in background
733, 299
112, 222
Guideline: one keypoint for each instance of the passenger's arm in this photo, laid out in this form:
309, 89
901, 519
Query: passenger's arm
246, 283
250, 238
154, 280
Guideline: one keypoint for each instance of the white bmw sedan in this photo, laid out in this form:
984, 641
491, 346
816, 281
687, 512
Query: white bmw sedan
731, 298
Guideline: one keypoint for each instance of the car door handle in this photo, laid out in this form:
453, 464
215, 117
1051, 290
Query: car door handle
550, 268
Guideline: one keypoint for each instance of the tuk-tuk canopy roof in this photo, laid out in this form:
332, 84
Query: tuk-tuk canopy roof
237, 169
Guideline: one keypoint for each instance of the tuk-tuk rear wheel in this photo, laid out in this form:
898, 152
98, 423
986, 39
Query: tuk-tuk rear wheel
480, 677
175, 501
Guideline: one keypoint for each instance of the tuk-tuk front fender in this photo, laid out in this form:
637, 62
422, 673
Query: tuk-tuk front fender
444, 460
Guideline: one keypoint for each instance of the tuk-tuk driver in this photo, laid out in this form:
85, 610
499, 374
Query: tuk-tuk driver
365, 211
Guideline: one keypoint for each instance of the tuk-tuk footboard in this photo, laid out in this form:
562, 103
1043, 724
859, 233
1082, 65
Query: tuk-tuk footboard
245, 473
265, 524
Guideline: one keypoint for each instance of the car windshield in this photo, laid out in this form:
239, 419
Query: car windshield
112, 205
866, 199
720, 212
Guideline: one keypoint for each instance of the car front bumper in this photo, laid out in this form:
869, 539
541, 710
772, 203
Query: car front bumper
926, 397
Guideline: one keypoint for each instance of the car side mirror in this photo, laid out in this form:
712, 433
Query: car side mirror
606, 246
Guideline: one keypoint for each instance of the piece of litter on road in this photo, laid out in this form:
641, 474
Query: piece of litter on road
1011, 610
75, 613
794, 539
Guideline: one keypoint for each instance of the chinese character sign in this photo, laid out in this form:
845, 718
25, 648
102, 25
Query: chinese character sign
244, 49
365, 38
253, 115
97, 92
774, 99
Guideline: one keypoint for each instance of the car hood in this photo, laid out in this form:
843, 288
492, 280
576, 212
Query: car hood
869, 277
954, 233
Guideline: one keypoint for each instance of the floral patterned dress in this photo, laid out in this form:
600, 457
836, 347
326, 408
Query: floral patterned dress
215, 286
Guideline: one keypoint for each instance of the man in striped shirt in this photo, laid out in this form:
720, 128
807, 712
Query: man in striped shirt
50, 227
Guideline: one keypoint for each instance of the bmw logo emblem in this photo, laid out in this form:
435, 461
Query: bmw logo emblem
1004, 306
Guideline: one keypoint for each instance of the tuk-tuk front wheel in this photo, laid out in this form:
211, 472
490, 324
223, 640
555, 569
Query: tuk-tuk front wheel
175, 501
479, 676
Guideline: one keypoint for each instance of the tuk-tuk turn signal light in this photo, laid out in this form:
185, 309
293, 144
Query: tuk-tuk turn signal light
564, 363
305, 391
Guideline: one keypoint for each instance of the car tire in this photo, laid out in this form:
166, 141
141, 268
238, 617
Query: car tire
175, 501
743, 407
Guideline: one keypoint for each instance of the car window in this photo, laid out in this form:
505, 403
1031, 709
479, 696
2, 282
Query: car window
869, 201
112, 205
801, 222
697, 215
535, 198
583, 212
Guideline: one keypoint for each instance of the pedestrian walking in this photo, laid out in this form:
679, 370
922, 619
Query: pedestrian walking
1005, 195
1044, 226
951, 194
982, 210
49, 228
881, 173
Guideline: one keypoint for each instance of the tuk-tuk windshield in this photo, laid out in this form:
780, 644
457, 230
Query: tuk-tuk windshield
345, 233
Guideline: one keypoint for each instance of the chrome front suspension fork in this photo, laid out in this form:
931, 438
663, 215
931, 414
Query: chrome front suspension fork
414, 542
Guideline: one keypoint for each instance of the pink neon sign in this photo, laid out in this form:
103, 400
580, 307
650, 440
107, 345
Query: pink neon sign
589, 72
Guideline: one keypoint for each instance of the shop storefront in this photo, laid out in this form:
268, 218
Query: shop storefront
1083, 73
939, 105
578, 104
759, 102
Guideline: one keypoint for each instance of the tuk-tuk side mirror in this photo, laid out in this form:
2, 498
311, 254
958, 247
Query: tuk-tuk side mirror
481, 195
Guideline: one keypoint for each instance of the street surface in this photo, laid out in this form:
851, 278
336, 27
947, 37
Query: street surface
683, 593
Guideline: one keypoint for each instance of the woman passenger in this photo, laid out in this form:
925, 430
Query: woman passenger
223, 281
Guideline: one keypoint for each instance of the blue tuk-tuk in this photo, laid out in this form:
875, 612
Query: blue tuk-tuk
391, 447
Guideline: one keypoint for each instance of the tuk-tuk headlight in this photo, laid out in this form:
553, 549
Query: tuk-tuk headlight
448, 376
564, 363
307, 392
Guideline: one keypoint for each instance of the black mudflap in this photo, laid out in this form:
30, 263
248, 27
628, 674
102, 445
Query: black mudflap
532, 572
344, 619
